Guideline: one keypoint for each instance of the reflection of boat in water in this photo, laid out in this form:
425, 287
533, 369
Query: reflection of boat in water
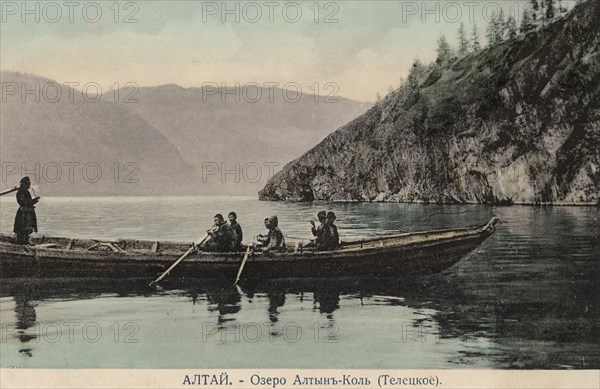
407, 253
217, 304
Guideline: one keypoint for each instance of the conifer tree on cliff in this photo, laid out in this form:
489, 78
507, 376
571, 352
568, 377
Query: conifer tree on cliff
511, 28
444, 52
500, 27
413, 83
526, 23
535, 6
550, 12
491, 31
463, 42
562, 9
475, 37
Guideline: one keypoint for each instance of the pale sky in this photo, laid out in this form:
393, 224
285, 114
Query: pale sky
366, 47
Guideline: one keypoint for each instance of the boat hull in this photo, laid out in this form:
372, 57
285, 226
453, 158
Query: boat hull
405, 255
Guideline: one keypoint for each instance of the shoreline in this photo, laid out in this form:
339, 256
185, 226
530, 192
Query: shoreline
558, 204
249, 197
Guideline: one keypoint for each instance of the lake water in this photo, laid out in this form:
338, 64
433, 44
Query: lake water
528, 297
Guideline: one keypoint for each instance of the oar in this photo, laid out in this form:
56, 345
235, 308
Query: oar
9, 191
179, 260
248, 251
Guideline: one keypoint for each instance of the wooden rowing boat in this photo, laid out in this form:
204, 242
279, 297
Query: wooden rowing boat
407, 253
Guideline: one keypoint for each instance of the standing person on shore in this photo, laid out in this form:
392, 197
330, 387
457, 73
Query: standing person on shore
26, 219
235, 226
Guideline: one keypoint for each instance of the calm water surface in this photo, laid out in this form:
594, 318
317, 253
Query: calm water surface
528, 297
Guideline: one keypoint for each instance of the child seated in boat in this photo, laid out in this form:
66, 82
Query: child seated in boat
222, 237
273, 240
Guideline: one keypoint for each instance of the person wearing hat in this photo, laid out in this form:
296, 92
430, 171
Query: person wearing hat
274, 239
330, 239
25, 220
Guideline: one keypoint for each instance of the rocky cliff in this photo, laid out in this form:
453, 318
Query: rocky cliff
514, 123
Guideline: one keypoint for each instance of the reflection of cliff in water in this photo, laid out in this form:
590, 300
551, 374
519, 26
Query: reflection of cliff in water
539, 286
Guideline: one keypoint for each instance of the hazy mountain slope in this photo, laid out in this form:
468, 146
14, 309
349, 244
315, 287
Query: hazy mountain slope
208, 130
518, 122
162, 135
54, 134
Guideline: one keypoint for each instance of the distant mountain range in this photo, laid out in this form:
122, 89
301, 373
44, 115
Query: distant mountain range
158, 145
518, 122
71, 147
257, 129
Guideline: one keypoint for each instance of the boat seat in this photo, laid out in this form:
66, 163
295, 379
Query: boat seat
113, 246
47, 246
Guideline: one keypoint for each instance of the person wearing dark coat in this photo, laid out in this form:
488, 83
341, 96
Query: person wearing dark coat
317, 231
25, 220
330, 239
222, 237
274, 240
233, 224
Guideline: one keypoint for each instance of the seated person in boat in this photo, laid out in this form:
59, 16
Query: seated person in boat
235, 226
25, 219
330, 239
222, 237
317, 231
273, 240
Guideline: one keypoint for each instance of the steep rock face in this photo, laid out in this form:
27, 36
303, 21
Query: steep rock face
515, 123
